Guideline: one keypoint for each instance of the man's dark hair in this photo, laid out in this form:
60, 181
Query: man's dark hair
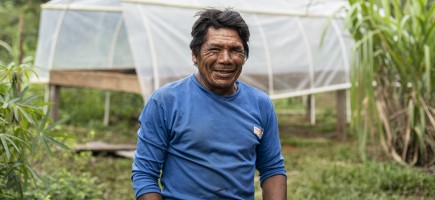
218, 19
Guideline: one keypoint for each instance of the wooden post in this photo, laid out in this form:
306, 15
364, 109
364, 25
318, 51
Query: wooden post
311, 109
54, 92
341, 114
107, 109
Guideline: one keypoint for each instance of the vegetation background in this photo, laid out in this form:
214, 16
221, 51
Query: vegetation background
318, 166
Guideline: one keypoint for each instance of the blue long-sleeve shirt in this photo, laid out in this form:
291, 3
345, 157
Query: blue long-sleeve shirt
207, 146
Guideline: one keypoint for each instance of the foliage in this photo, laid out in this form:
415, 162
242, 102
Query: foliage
321, 168
65, 185
10, 13
23, 135
315, 165
289, 103
317, 168
22, 2
371, 180
110, 175
123, 106
24, 128
393, 77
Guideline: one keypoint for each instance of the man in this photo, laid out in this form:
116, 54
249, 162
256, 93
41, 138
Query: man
207, 133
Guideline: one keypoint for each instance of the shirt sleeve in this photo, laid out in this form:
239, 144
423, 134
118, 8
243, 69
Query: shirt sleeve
269, 159
151, 149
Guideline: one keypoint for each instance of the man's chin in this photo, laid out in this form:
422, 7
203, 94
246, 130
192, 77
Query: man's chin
224, 83
226, 86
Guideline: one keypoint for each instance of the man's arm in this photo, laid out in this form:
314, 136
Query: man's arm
151, 196
270, 162
150, 154
275, 188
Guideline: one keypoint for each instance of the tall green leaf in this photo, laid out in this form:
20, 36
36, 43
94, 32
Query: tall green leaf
392, 76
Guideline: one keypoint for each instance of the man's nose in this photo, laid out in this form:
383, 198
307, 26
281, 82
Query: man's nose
224, 57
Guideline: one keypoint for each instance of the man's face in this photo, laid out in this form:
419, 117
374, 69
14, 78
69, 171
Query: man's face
220, 60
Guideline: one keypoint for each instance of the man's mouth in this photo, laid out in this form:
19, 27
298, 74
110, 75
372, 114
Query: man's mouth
224, 73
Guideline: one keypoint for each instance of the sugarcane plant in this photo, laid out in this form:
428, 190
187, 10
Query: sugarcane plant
393, 77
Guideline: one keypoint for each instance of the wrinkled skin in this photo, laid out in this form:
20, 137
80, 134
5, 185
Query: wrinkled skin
220, 61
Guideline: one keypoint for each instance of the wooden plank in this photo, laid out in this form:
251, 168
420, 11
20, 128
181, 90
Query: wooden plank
105, 80
125, 154
103, 147
341, 114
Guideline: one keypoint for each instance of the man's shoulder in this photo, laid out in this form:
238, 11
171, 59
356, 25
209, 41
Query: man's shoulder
254, 92
172, 89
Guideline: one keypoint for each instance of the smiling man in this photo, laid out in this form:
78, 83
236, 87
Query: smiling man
204, 136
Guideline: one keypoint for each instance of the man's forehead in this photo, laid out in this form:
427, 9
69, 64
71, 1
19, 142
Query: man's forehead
222, 31
222, 36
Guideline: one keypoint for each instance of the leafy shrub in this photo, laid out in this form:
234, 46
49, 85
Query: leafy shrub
67, 186
10, 12
368, 181
123, 106
23, 129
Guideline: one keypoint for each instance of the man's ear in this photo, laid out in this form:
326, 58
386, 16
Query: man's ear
194, 58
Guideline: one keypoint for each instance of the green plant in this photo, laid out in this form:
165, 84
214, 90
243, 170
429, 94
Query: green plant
11, 12
393, 77
65, 185
333, 172
369, 181
123, 106
23, 128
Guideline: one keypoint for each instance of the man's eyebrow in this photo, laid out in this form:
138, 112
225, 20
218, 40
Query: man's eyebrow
232, 45
215, 44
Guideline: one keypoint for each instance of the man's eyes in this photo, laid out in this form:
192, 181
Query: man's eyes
237, 50
215, 49
233, 50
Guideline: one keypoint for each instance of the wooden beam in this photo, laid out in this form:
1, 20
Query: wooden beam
104, 80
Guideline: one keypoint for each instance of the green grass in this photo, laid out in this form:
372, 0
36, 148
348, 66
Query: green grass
318, 166
333, 172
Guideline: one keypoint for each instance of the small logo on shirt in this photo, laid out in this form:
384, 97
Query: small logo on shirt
258, 131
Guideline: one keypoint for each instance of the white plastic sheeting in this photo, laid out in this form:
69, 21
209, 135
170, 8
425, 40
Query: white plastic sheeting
83, 34
153, 37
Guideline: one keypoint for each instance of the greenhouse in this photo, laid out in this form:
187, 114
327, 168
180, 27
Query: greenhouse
297, 47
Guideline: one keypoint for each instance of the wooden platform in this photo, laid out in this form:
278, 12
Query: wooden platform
122, 150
